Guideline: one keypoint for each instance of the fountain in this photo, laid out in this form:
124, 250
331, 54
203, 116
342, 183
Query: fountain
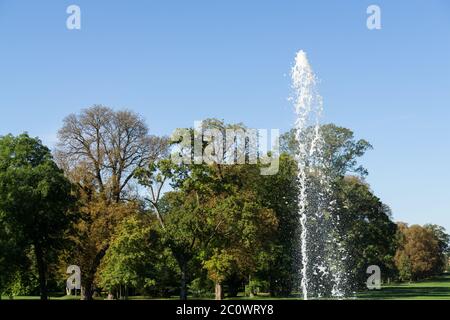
322, 271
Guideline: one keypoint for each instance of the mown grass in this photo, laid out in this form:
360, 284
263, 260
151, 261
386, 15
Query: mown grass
433, 289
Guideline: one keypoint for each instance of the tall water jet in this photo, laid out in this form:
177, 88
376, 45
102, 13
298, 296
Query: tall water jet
322, 256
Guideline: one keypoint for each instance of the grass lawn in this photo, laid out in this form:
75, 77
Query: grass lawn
434, 289
37, 298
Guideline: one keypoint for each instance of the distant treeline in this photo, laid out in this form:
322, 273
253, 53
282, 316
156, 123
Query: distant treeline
110, 200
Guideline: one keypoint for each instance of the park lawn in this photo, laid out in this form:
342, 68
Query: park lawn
434, 289
37, 298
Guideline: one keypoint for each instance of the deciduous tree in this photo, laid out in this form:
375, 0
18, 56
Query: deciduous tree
418, 253
35, 198
100, 150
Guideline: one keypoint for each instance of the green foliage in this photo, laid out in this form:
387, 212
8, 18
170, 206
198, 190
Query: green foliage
211, 216
127, 258
369, 233
256, 286
218, 226
219, 265
365, 224
23, 284
340, 149
279, 193
35, 198
236, 229
134, 259
444, 249
201, 287
11, 254
404, 266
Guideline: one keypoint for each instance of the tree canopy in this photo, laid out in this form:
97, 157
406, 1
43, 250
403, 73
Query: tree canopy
35, 202
136, 221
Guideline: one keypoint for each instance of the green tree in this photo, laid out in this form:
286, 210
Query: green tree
133, 260
100, 150
220, 266
232, 217
182, 234
12, 257
444, 240
193, 222
367, 230
364, 225
35, 198
237, 229
279, 193
99, 220
340, 149
175, 212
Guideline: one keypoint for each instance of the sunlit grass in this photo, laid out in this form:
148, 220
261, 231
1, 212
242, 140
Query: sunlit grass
434, 289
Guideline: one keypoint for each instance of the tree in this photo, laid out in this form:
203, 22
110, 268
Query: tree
35, 198
210, 227
353, 212
340, 149
181, 233
174, 211
100, 151
279, 193
110, 145
94, 232
220, 266
235, 224
12, 257
367, 231
208, 199
135, 259
237, 229
444, 249
418, 253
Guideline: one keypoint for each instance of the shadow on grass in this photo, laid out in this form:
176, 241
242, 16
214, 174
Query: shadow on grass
437, 288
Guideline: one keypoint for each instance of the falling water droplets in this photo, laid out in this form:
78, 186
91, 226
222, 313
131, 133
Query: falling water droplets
321, 270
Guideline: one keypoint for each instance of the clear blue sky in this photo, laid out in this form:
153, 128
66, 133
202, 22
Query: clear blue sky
179, 61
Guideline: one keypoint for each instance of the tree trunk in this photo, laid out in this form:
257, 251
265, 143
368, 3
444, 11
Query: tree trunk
219, 291
234, 283
233, 290
250, 291
183, 282
42, 271
87, 291
274, 290
87, 284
